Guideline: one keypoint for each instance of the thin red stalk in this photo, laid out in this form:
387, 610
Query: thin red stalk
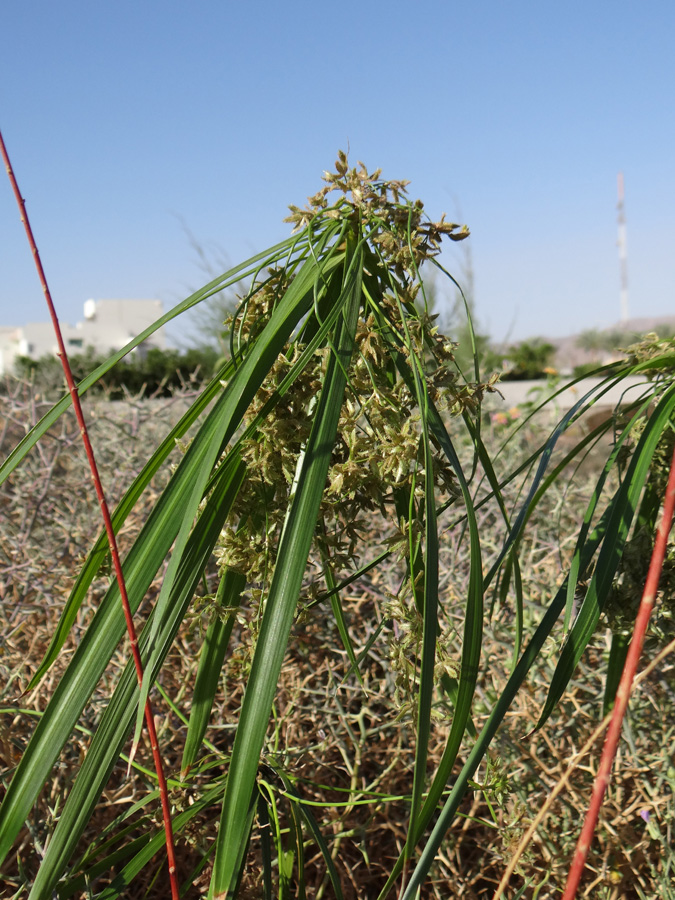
112, 541
624, 689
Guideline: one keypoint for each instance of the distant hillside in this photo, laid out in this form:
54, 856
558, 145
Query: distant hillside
569, 354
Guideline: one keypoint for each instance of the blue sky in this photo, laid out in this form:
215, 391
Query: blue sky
129, 122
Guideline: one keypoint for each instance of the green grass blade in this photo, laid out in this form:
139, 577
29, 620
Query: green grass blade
479, 749
319, 840
100, 549
119, 886
297, 844
210, 663
88, 663
623, 508
116, 831
488, 732
450, 687
99, 552
471, 645
477, 753
237, 397
472, 639
617, 659
78, 884
512, 563
118, 716
471, 648
526, 509
265, 846
338, 613
276, 623
106, 630
575, 572
645, 524
430, 626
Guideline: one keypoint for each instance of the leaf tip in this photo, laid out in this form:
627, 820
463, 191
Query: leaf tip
132, 756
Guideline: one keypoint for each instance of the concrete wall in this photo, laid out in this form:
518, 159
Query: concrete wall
108, 325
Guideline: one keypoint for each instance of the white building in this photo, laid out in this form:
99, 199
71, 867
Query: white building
108, 325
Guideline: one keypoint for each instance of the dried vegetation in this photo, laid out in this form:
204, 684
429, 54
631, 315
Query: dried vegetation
338, 738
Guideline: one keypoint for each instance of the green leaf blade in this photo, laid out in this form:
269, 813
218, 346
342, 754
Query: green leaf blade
293, 552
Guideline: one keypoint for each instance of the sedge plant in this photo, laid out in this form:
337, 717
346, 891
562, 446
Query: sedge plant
340, 404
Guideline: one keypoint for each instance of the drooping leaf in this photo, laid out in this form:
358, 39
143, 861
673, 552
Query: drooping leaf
621, 515
277, 619
115, 724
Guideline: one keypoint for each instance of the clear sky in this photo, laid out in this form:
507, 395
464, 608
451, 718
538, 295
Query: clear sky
131, 123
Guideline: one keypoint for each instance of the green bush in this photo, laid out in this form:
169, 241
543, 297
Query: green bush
154, 373
529, 360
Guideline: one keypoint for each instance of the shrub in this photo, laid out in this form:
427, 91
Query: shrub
529, 360
153, 373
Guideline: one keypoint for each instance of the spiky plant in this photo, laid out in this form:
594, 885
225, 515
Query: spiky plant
337, 406
328, 413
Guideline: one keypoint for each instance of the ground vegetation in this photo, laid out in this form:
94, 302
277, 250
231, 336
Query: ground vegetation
363, 597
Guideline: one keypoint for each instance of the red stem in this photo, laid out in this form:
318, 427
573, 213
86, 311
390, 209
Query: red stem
112, 541
624, 689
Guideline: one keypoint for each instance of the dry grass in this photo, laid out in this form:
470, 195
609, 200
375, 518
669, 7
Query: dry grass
339, 741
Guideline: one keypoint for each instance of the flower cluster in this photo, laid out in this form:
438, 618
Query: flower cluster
403, 237
377, 466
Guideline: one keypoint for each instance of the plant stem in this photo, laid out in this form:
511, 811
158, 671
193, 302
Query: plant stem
624, 689
114, 552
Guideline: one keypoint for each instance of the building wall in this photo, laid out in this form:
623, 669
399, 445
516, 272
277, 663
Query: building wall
108, 325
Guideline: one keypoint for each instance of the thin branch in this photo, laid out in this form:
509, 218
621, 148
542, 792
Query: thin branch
112, 541
564, 779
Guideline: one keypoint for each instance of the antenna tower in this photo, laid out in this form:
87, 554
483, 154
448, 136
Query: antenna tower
623, 267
